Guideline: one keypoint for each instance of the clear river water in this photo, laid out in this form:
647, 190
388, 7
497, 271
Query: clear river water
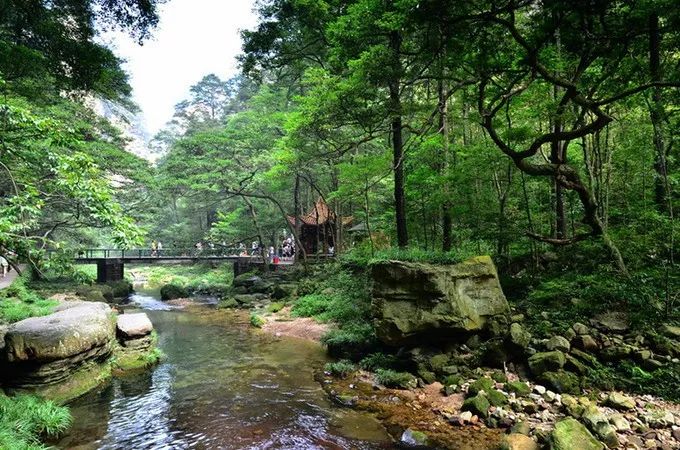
222, 385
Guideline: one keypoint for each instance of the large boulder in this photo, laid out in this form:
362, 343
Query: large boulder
137, 343
62, 355
413, 300
74, 328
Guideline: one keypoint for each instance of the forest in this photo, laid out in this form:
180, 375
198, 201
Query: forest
542, 133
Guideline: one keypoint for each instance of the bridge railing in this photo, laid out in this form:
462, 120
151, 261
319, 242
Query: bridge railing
168, 253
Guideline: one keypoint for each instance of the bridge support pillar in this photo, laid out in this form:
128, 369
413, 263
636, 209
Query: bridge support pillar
109, 270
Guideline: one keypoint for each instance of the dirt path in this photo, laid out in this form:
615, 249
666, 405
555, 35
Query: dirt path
282, 324
9, 279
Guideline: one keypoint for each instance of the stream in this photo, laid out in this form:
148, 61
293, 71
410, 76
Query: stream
222, 385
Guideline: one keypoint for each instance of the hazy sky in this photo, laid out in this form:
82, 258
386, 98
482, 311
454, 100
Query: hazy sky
194, 38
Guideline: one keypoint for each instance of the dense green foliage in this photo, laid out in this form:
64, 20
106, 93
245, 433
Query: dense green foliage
526, 131
57, 157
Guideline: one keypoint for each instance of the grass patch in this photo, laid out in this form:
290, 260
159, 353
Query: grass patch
341, 368
18, 302
201, 278
25, 420
394, 379
275, 307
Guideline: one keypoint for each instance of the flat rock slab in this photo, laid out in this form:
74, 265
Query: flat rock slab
74, 328
134, 325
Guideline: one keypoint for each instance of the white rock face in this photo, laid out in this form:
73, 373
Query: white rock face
134, 325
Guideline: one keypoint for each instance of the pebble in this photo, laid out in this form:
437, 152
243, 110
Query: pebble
540, 390
465, 416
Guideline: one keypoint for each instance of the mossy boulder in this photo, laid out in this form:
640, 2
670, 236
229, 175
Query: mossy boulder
62, 355
520, 388
95, 293
478, 405
284, 290
438, 362
540, 363
496, 398
570, 434
482, 384
519, 338
412, 300
414, 438
173, 291
228, 302
562, 381
120, 288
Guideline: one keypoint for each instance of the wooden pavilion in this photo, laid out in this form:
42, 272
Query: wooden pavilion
319, 227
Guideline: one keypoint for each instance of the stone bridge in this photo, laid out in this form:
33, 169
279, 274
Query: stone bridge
111, 262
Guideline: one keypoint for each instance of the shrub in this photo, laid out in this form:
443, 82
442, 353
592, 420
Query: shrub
378, 360
311, 305
394, 379
256, 320
340, 368
173, 291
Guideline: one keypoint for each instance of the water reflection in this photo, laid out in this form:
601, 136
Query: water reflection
221, 386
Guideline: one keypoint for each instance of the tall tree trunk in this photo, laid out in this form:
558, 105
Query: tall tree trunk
444, 131
263, 251
298, 226
656, 108
398, 142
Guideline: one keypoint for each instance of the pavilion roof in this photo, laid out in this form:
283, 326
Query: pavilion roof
319, 214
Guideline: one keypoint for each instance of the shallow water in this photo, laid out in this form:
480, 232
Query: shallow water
223, 385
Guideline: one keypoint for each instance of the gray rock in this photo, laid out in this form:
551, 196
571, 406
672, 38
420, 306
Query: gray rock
558, 343
579, 328
43, 354
607, 434
414, 438
586, 343
3, 331
619, 422
620, 401
546, 361
615, 321
516, 441
671, 331
412, 299
134, 325
74, 328
519, 337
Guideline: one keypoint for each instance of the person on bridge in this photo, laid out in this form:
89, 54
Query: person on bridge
5, 266
154, 248
159, 247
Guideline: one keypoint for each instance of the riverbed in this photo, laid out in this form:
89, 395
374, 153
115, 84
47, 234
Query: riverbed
222, 385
